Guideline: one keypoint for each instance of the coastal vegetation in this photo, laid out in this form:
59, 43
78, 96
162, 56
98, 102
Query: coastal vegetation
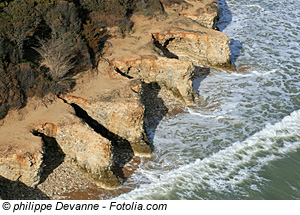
133, 62
45, 43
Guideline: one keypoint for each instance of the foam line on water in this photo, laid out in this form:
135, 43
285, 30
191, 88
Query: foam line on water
226, 169
193, 112
264, 73
256, 6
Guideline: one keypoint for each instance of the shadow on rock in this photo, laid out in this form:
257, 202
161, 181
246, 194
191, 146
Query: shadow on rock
155, 109
53, 155
164, 49
121, 148
16, 190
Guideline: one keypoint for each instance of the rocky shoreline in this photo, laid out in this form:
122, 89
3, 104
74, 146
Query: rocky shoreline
93, 137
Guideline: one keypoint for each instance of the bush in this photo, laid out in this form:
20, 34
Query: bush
42, 42
63, 18
21, 21
28, 78
58, 53
3, 52
148, 7
11, 95
93, 35
58, 56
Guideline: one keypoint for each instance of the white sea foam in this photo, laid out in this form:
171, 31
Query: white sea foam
264, 73
256, 6
246, 121
226, 169
194, 112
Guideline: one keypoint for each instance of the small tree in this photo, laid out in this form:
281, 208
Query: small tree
58, 55
20, 22
63, 18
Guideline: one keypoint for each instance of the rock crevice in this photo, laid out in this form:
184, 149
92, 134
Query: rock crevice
102, 124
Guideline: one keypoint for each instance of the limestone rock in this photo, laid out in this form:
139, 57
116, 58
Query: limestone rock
91, 151
21, 164
209, 48
121, 112
204, 12
173, 74
102, 122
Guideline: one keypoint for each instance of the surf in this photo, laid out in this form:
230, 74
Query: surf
226, 169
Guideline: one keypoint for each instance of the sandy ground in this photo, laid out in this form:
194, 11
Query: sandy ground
16, 137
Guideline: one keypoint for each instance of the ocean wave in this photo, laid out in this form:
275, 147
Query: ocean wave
226, 169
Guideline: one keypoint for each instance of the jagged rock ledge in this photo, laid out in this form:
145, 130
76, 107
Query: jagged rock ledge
101, 126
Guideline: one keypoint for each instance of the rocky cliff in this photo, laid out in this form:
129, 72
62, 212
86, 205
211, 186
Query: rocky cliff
21, 164
101, 125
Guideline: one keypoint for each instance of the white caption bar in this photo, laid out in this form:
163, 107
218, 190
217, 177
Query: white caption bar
111, 207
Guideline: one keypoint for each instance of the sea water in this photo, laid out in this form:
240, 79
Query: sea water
243, 141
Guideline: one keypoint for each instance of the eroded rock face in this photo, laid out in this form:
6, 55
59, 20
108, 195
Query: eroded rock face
20, 165
201, 48
173, 74
121, 113
103, 127
204, 12
91, 151
103, 132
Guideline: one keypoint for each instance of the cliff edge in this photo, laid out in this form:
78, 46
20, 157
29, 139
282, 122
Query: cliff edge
101, 124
